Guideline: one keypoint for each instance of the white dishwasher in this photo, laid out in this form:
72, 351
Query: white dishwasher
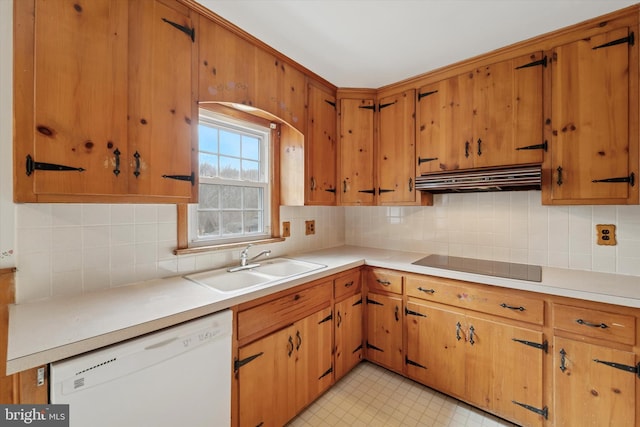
180, 376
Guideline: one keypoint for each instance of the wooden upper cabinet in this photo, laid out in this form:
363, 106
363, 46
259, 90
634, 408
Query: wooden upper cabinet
321, 146
489, 116
103, 101
396, 149
593, 121
355, 184
227, 65
160, 101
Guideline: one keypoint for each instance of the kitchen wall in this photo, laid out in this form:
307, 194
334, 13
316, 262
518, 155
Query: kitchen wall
67, 249
504, 226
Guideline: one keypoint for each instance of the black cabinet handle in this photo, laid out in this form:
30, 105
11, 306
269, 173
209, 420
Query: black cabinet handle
471, 334
396, 313
458, 328
563, 366
290, 346
116, 170
511, 307
136, 156
466, 149
479, 147
339, 320
428, 291
593, 325
298, 340
559, 181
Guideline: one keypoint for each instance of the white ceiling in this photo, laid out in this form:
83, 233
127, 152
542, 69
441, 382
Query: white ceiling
372, 43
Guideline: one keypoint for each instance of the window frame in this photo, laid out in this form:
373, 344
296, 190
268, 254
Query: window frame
273, 172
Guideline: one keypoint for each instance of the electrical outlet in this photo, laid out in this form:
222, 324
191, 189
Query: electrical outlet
606, 234
310, 227
286, 229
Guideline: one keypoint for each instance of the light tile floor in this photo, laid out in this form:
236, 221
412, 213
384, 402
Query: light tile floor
371, 396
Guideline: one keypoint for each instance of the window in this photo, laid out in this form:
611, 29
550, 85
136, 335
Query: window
234, 190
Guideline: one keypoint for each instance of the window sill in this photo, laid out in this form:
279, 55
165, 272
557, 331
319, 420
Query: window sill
225, 246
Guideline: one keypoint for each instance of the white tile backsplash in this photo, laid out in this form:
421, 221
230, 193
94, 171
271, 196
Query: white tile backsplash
505, 226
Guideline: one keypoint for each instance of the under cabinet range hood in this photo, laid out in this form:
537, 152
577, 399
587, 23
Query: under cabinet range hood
476, 180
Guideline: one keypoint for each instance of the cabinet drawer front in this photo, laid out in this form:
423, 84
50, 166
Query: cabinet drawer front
452, 292
384, 280
595, 323
347, 284
283, 311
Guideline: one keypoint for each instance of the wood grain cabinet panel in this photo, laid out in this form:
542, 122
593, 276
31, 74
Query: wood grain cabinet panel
489, 116
593, 123
320, 146
348, 322
396, 150
103, 104
588, 390
356, 185
384, 342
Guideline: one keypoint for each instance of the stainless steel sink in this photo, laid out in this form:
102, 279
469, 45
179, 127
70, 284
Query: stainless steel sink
265, 273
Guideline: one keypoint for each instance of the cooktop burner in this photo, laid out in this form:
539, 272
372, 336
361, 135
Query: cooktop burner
510, 270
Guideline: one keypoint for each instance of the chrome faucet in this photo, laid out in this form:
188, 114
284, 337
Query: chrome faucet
245, 261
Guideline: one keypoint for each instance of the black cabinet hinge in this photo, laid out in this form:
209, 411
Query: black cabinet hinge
358, 348
237, 364
330, 190
191, 32
544, 346
632, 369
333, 104
544, 411
422, 160
422, 95
370, 301
368, 107
191, 178
408, 312
407, 361
326, 319
381, 106
631, 179
629, 39
544, 146
373, 347
357, 303
535, 63
384, 190
32, 165
327, 372
372, 191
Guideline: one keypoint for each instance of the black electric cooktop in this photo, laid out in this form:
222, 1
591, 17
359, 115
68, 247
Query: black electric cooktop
510, 270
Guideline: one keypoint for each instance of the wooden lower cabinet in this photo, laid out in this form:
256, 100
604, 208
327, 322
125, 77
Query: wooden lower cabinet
592, 386
348, 334
384, 331
280, 374
489, 363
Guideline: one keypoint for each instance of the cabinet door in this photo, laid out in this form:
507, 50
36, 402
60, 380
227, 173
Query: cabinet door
263, 380
384, 331
356, 185
320, 147
436, 347
313, 359
508, 112
348, 334
80, 98
396, 149
590, 125
444, 125
226, 66
160, 100
504, 370
587, 391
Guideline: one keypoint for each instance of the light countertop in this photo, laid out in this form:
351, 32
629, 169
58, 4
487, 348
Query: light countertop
54, 329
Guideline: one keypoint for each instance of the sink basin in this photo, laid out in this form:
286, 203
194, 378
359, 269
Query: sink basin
266, 272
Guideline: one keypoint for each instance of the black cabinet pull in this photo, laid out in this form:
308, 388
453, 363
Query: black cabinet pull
471, 335
136, 156
563, 366
298, 340
458, 328
348, 284
344, 186
290, 352
428, 291
593, 325
511, 307
396, 313
559, 181
410, 185
339, 319
479, 147
383, 282
466, 149
116, 170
